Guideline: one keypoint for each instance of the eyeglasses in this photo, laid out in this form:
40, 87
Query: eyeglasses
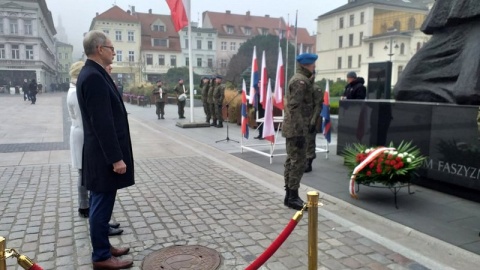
110, 47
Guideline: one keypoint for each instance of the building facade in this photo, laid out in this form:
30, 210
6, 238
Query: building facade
64, 62
369, 31
27, 45
204, 48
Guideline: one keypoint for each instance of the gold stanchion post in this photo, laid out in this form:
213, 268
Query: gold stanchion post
3, 259
312, 205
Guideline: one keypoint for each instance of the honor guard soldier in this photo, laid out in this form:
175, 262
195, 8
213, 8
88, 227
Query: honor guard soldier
218, 96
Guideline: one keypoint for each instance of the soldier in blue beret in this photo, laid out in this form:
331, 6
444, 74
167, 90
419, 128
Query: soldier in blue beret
299, 105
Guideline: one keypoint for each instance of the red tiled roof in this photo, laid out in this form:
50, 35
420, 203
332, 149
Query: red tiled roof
146, 20
219, 21
304, 37
116, 14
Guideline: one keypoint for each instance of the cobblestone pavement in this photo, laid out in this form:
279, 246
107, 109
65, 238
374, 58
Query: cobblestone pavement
181, 197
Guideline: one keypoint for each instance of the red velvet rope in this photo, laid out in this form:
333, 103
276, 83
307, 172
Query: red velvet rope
35, 267
273, 247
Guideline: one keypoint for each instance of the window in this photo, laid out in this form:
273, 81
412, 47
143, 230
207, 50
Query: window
400, 69
158, 28
233, 46
210, 62
161, 60
340, 42
199, 62
29, 52
411, 24
186, 43
224, 46
359, 60
67, 66
350, 59
131, 36
397, 25
158, 42
199, 44
173, 61
223, 63
119, 56
362, 17
118, 35
1, 25
370, 50
13, 27
361, 38
59, 55
402, 49
350, 40
339, 62
106, 32
131, 56
352, 20
149, 59
340, 23
187, 61
15, 52
2, 51
229, 29
28, 29
66, 55
210, 45
248, 31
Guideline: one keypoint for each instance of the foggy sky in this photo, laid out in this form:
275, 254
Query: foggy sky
77, 15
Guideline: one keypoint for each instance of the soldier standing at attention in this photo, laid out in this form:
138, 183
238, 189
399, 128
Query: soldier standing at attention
218, 96
205, 85
298, 111
160, 96
181, 98
313, 124
211, 103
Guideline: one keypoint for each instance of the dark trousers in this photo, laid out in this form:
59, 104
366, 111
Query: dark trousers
101, 208
261, 114
181, 108
160, 108
33, 98
26, 95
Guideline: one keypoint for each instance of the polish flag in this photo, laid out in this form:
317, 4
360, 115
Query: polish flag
263, 82
325, 114
244, 111
254, 79
178, 9
268, 129
279, 82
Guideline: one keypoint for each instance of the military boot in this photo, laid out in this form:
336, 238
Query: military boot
308, 165
287, 192
220, 124
158, 116
214, 123
161, 117
294, 200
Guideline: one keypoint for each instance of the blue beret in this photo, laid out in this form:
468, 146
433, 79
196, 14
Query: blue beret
307, 58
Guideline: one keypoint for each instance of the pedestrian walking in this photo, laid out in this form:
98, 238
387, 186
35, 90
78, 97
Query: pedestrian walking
107, 160
33, 91
26, 90
298, 110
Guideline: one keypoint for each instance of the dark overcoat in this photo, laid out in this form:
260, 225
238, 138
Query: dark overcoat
106, 131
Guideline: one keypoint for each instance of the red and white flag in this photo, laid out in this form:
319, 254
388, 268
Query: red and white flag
244, 111
179, 10
279, 82
263, 82
254, 79
268, 129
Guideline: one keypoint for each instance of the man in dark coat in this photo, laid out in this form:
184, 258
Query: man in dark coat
33, 91
354, 89
107, 160
26, 91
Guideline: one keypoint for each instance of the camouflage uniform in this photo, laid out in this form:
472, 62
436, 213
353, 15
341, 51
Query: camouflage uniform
218, 96
180, 89
205, 92
160, 101
298, 111
313, 123
210, 102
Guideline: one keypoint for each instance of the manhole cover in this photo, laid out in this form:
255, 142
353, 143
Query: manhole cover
182, 258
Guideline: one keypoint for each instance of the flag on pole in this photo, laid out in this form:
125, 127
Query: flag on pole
268, 129
244, 111
326, 125
296, 17
279, 82
178, 9
263, 80
254, 79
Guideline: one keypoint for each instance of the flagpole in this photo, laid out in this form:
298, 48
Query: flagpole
190, 60
286, 53
295, 62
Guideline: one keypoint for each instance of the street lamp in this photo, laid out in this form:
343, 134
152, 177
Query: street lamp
390, 44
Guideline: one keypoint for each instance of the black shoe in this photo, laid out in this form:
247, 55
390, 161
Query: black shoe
294, 200
214, 123
113, 231
161, 117
83, 212
259, 137
182, 117
114, 225
219, 125
287, 193
158, 116
308, 165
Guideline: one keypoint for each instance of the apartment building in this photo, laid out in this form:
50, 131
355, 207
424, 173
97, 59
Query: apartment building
64, 62
27, 46
368, 31
204, 48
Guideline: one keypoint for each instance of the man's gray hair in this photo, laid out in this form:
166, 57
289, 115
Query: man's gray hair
92, 40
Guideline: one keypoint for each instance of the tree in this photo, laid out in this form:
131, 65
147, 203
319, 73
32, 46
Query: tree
336, 88
242, 61
174, 74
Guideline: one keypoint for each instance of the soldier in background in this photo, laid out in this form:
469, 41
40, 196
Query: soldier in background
315, 122
218, 96
211, 103
298, 111
181, 92
205, 85
160, 97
